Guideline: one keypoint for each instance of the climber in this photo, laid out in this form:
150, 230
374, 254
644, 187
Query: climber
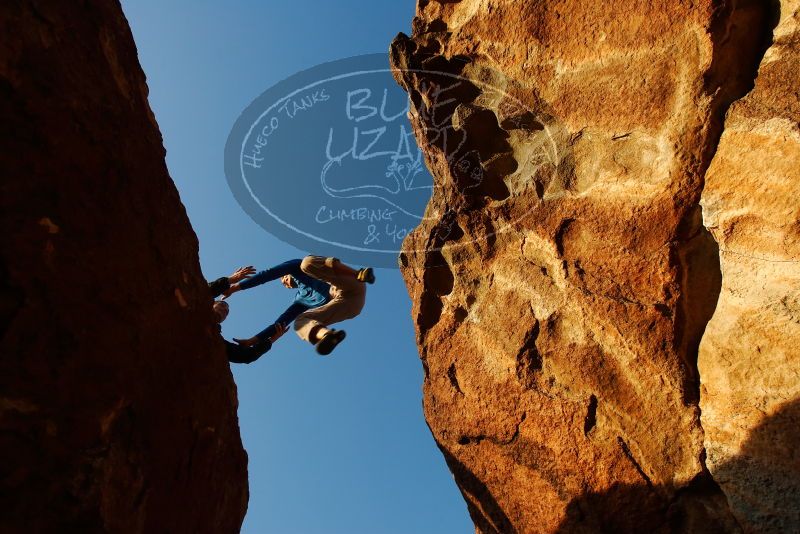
328, 291
238, 353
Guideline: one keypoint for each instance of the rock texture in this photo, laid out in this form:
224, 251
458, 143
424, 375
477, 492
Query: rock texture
750, 354
563, 277
117, 405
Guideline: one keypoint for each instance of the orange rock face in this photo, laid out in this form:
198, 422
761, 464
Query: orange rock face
563, 277
117, 405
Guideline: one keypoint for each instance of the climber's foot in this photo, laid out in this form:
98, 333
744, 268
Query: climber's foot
329, 341
366, 275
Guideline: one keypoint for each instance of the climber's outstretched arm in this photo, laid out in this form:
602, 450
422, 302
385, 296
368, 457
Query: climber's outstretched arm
273, 273
275, 331
221, 285
286, 318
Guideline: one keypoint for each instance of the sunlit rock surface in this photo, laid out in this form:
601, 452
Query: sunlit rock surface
563, 277
750, 354
117, 405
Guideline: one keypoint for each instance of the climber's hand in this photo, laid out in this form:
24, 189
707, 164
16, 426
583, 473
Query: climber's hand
231, 290
242, 273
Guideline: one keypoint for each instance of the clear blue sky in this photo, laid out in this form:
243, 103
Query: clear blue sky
336, 445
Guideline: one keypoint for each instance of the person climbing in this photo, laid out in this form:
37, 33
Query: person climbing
238, 353
328, 292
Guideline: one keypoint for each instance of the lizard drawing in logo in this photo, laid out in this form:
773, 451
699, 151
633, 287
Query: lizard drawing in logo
396, 177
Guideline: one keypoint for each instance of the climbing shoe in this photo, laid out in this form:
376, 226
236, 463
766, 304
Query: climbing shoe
366, 275
329, 341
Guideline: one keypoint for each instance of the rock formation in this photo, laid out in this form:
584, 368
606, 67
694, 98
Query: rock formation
117, 405
583, 231
750, 352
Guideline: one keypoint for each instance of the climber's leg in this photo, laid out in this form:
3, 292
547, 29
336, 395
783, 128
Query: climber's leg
336, 273
312, 325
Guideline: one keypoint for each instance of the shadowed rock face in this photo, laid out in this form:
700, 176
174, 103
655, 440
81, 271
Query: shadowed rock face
117, 405
563, 277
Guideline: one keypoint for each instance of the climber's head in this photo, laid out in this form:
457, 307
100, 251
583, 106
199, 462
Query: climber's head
221, 310
288, 281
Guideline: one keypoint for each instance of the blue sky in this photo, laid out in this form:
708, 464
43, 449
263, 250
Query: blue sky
336, 445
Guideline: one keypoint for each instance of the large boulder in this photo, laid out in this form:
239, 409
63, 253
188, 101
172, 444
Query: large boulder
563, 276
117, 405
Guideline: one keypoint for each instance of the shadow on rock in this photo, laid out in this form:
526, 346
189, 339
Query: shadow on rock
484, 510
762, 482
758, 490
